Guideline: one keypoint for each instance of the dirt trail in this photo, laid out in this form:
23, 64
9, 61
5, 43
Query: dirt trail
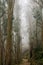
25, 62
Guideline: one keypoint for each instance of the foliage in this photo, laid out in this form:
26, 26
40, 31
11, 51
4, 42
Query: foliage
37, 51
37, 58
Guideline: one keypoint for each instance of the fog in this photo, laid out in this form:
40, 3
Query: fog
23, 9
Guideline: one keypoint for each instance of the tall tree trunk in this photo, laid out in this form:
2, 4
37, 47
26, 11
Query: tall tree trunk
1, 51
42, 28
18, 49
9, 33
0, 44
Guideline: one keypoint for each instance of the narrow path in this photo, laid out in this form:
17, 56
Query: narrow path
25, 62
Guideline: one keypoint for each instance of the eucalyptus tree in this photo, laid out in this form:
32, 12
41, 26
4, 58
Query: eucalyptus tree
2, 12
40, 3
38, 16
0, 46
17, 40
9, 33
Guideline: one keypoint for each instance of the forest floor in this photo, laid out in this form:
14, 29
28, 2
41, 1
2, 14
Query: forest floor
25, 62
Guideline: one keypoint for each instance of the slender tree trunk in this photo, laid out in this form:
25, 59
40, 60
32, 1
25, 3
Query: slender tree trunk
42, 30
18, 49
0, 43
9, 33
1, 46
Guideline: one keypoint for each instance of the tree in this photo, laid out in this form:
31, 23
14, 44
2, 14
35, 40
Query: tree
17, 40
40, 3
0, 46
1, 34
38, 16
9, 33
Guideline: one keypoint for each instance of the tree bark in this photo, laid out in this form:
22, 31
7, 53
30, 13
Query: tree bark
9, 33
1, 51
